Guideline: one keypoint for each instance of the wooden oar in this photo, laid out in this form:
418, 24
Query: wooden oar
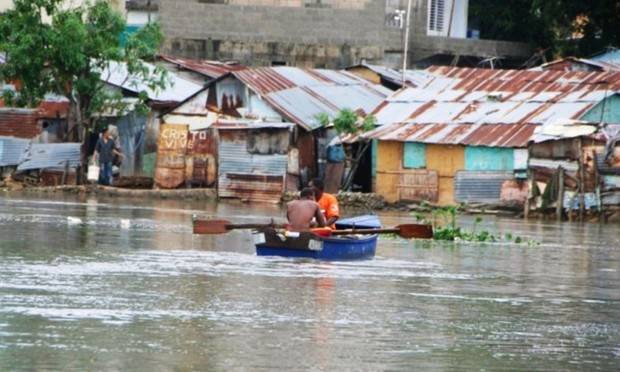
407, 231
207, 226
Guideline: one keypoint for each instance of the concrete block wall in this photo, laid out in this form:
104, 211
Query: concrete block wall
295, 32
307, 33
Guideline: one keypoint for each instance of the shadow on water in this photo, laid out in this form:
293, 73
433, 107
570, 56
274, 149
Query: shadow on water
92, 284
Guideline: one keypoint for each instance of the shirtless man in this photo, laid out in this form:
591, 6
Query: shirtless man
301, 212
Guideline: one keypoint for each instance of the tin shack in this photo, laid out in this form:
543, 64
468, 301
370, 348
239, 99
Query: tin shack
253, 160
462, 136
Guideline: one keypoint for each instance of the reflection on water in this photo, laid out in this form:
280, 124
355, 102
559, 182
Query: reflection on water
120, 284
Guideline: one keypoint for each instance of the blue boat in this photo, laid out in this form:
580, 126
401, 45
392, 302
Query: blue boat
270, 242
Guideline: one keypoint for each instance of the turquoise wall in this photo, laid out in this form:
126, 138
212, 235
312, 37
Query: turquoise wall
480, 158
607, 111
414, 155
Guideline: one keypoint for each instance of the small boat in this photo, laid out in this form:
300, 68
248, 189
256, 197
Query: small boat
271, 242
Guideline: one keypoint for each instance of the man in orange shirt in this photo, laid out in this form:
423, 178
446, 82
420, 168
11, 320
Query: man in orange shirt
327, 202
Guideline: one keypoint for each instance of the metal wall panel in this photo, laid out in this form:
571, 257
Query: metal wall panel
479, 187
20, 123
12, 150
51, 156
249, 176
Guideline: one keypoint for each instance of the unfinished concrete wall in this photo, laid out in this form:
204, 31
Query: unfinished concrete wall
298, 33
311, 33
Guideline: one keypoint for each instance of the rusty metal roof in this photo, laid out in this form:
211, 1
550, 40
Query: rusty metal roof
244, 125
300, 94
18, 122
413, 78
579, 64
464, 105
210, 69
492, 135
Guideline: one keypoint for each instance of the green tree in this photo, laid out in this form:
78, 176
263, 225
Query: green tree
65, 51
347, 122
561, 27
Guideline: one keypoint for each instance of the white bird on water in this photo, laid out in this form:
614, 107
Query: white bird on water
74, 220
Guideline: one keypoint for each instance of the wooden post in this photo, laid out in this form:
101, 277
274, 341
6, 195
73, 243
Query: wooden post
582, 202
599, 200
65, 173
559, 205
530, 184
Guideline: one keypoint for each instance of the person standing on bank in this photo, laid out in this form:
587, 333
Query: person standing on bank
104, 153
327, 202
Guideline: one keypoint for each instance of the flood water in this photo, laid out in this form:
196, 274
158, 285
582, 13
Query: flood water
112, 284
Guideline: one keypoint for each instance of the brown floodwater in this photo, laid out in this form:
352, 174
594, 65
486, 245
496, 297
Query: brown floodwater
119, 284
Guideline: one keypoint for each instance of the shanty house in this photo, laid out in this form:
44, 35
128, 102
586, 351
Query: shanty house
462, 136
253, 160
575, 165
281, 95
139, 135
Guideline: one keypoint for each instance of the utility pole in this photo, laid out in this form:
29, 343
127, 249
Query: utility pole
406, 48
148, 9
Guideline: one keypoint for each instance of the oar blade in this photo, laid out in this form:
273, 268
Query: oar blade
206, 226
415, 231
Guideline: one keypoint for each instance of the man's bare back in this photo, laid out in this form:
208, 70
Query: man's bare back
301, 212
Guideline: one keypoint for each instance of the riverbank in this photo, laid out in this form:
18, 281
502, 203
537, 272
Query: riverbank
367, 202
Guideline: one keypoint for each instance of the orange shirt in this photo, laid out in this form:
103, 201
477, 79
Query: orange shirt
329, 206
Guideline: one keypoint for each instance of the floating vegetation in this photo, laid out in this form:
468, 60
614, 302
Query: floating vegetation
445, 228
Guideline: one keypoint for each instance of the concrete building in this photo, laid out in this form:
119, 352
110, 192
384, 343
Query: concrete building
326, 33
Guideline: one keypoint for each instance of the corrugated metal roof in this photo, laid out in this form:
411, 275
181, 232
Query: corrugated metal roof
298, 105
12, 150
562, 129
234, 125
611, 55
43, 156
578, 64
210, 69
20, 123
478, 98
353, 97
494, 135
413, 78
177, 89
300, 94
